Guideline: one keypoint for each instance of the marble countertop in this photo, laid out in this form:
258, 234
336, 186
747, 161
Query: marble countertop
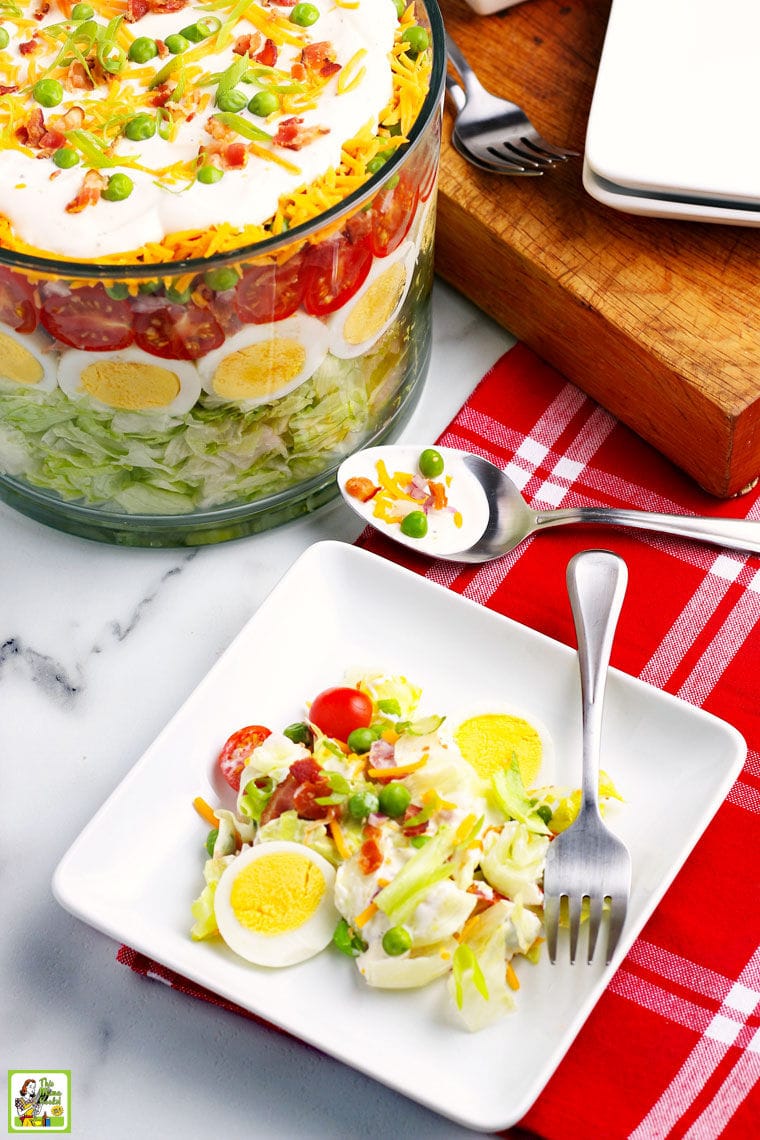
99, 646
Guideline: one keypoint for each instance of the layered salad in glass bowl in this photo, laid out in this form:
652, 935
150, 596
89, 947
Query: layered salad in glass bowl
216, 230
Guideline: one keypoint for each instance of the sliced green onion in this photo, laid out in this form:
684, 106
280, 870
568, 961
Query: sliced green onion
92, 151
242, 126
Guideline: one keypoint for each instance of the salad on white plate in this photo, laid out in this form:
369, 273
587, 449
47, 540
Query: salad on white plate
413, 844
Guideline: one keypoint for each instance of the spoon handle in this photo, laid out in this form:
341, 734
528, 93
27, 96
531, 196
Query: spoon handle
737, 534
596, 585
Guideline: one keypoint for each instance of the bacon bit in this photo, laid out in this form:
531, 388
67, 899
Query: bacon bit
247, 44
32, 130
161, 95
268, 54
298, 71
136, 9
30, 46
235, 155
319, 59
77, 78
92, 187
8, 89
293, 135
42, 10
71, 121
162, 49
361, 489
415, 828
50, 142
370, 856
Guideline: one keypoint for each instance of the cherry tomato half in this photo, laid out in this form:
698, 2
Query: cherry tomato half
334, 271
89, 319
392, 215
338, 711
231, 760
178, 332
269, 292
17, 302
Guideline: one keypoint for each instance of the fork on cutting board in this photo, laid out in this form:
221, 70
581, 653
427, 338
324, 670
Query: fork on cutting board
493, 133
587, 862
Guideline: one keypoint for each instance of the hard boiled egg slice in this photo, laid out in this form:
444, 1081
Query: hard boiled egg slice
488, 739
129, 380
25, 360
274, 903
263, 362
363, 320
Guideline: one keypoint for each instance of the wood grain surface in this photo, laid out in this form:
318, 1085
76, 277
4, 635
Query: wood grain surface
656, 319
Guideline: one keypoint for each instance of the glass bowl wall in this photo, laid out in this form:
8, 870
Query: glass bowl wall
204, 400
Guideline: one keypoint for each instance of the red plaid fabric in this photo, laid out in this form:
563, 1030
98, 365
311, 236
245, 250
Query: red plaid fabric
672, 1049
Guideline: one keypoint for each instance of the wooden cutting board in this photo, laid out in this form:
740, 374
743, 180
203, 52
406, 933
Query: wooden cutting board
656, 319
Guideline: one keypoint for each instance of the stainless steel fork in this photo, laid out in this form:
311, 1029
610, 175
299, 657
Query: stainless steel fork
587, 862
497, 133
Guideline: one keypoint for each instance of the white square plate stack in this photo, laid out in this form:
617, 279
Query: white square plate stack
673, 125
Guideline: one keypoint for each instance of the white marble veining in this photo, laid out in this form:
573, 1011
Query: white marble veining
99, 646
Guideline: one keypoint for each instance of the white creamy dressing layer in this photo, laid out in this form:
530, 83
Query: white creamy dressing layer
35, 203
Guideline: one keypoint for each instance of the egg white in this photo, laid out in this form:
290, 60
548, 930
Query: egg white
261, 363
343, 339
77, 376
287, 947
18, 348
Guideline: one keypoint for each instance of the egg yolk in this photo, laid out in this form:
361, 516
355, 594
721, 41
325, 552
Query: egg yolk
129, 385
17, 363
277, 893
377, 304
259, 369
488, 743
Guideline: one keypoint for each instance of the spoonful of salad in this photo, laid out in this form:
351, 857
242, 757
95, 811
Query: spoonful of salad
456, 506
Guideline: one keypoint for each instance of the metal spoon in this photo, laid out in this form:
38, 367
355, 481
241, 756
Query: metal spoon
510, 520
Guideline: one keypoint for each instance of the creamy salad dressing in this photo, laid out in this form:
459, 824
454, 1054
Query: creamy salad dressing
35, 203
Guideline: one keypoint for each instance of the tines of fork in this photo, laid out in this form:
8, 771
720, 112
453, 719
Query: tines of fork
495, 133
587, 863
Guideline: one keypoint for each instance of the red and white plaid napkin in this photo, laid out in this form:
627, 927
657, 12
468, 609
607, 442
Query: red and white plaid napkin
672, 1049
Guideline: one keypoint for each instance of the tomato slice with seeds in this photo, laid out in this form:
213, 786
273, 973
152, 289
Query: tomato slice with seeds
269, 292
17, 302
89, 319
178, 332
335, 271
392, 215
238, 747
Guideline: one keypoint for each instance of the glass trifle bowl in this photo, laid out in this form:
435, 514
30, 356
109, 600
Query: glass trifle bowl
216, 255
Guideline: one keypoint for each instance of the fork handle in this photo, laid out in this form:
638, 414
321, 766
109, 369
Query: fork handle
596, 584
466, 74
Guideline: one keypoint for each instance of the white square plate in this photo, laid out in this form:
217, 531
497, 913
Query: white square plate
339, 606
674, 111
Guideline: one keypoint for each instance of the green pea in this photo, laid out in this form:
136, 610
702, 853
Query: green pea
362, 804
140, 128
5, 39
419, 840
233, 100
176, 43
119, 187
417, 39
415, 524
375, 164
208, 175
397, 940
119, 291
82, 12
178, 297
304, 15
361, 740
65, 157
142, 49
148, 288
430, 463
47, 92
299, 733
264, 103
394, 799
544, 812
211, 840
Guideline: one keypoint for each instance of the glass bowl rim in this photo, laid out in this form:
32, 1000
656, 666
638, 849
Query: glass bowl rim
60, 267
